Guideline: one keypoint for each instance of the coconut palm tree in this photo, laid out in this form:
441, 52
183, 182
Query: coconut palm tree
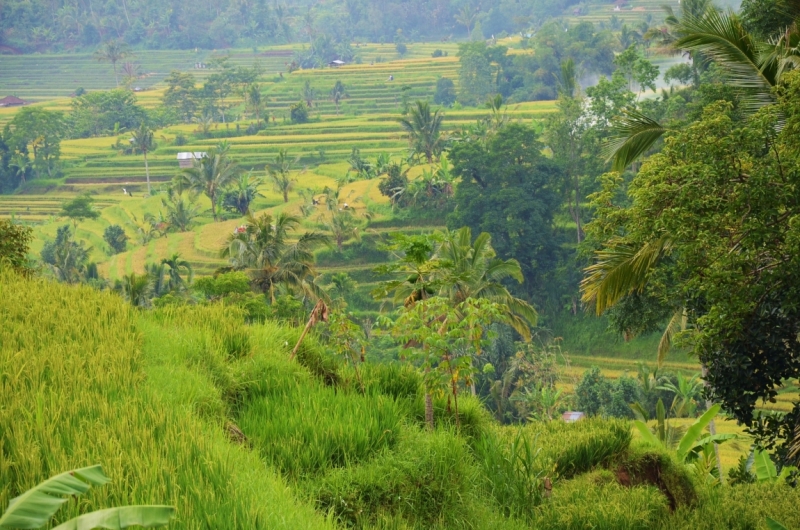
211, 174
280, 171
254, 100
467, 17
181, 213
267, 248
473, 270
424, 129
243, 192
112, 51
340, 219
337, 93
142, 140
137, 289
177, 268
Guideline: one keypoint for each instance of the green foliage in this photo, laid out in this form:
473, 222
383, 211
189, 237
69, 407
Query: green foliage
38, 132
14, 246
116, 238
298, 112
760, 317
104, 112
36, 506
509, 190
428, 478
445, 92
597, 396
223, 284
68, 259
513, 475
80, 208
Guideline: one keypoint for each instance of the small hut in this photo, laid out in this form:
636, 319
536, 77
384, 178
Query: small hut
12, 101
186, 160
336, 64
572, 417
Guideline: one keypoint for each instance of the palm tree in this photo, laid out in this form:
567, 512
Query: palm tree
473, 270
142, 140
309, 94
137, 288
754, 67
21, 164
467, 17
177, 267
112, 51
340, 220
180, 213
337, 93
280, 171
242, 194
265, 247
686, 390
254, 100
212, 173
424, 130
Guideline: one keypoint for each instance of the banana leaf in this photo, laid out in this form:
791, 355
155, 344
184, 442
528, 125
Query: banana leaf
123, 517
694, 432
36, 506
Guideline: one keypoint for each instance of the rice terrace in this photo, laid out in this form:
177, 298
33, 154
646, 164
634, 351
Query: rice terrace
384, 264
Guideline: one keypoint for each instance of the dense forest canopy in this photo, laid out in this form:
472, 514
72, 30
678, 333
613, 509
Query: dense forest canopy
40, 25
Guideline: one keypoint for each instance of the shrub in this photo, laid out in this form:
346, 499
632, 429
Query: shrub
298, 112
14, 245
429, 478
223, 284
116, 238
445, 92
597, 396
597, 500
401, 48
437, 53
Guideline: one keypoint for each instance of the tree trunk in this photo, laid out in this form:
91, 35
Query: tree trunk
213, 207
429, 410
147, 172
285, 195
116, 77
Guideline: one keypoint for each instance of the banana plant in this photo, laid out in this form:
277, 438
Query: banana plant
694, 448
35, 507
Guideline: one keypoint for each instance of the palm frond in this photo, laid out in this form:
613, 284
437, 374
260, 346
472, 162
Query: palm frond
632, 134
676, 324
723, 38
620, 270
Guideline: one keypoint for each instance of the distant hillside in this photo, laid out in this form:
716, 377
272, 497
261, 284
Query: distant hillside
44, 25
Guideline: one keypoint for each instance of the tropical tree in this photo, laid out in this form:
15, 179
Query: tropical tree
116, 238
243, 192
68, 259
211, 174
137, 289
687, 390
473, 270
142, 140
113, 51
337, 93
467, 17
269, 250
254, 100
309, 94
424, 130
280, 171
177, 269
181, 212
35, 507
339, 218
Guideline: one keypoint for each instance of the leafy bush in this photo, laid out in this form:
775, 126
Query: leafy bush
401, 48
437, 53
597, 396
597, 500
14, 244
427, 479
298, 112
116, 238
223, 284
445, 92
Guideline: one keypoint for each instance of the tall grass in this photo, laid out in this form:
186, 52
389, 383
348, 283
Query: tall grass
76, 389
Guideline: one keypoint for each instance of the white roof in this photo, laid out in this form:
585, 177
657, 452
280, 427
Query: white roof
191, 156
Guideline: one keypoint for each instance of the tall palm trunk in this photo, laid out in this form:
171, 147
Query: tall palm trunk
116, 76
147, 172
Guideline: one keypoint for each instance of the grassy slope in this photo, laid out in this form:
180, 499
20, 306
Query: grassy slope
78, 388
151, 396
